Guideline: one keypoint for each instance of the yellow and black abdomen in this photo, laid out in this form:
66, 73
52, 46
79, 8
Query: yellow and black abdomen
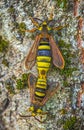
43, 64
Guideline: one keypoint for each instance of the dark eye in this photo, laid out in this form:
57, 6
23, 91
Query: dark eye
39, 21
51, 23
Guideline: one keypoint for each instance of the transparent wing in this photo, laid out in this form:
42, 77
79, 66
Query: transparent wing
57, 57
31, 57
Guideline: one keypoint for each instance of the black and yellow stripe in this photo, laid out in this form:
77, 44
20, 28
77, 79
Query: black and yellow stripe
40, 88
43, 64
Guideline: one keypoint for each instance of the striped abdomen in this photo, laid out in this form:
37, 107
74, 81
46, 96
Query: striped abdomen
43, 64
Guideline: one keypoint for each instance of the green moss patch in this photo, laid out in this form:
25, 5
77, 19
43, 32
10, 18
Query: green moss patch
69, 124
22, 83
21, 28
5, 62
3, 45
11, 10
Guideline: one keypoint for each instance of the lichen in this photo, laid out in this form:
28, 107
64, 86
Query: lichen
3, 45
22, 82
10, 89
9, 84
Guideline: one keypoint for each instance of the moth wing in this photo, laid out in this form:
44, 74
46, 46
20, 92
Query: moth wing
57, 57
31, 57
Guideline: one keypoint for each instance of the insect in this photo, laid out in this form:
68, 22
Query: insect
43, 52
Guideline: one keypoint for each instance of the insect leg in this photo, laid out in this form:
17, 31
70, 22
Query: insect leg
34, 22
60, 27
30, 31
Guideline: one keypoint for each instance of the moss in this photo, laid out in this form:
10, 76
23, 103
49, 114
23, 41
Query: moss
63, 111
11, 9
22, 83
62, 3
68, 55
69, 124
3, 45
21, 28
5, 62
22, 25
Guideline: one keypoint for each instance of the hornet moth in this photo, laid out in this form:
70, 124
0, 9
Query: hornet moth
43, 52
